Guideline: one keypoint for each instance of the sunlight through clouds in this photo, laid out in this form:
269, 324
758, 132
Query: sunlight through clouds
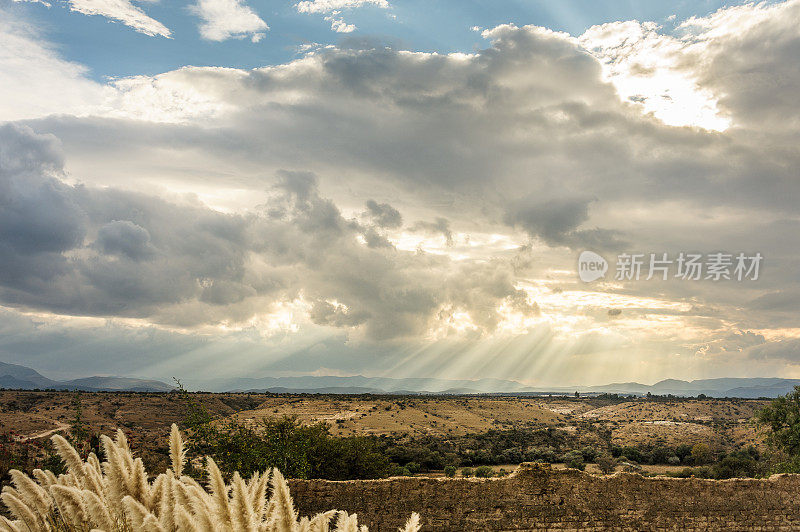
398, 208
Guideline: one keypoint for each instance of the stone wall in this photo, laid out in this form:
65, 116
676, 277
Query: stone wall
537, 497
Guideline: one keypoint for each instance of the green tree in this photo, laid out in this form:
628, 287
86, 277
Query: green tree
483, 471
701, 454
574, 460
782, 416
450, 471
606, 463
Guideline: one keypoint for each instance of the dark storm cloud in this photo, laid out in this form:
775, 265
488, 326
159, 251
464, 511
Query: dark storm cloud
108, 252
383, 214
439, 225
126, 238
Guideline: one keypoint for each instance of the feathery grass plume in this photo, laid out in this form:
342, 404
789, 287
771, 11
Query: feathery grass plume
8, 526
31, 493
412, 525
346, 522
116, 496
25, 515
98, 510
283, 514
70, 456
70, 504
177, 452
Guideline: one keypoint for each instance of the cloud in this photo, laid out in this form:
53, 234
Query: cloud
328, 6
123, 11
125, 238
332, 9
440, 225
338, 24
213, 198
86, 251
31, 69
43, 2
383, 214
229, 19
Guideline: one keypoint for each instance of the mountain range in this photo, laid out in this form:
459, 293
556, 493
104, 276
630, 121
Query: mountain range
722, 387
14, 376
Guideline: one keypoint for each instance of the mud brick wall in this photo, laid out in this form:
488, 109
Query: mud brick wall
537, 497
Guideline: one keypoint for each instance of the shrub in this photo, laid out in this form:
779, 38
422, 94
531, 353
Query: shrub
466, 472
632, 454
574, 460
701, 454
660, 455
413, 467
450, 471
736, 464
606, 464
117, 497
483, 471
589, 454
683, 451
401, 472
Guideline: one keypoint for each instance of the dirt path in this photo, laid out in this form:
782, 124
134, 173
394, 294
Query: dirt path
43, 434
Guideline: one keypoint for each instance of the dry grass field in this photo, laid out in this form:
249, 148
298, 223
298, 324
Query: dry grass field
147, 417
715, 422
412, 415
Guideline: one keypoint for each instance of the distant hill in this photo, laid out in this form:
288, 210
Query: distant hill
377, 384
21, 377
723, 387
14, 376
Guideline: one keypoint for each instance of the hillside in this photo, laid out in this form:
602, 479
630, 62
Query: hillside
16, 377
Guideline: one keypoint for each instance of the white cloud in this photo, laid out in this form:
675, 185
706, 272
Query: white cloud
338, 24
328, 6
43, 2
229, 19
333, 10
36, 81
645, 66
123, 11
708, 72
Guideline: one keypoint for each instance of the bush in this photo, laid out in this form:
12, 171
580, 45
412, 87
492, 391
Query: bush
467, 472
660, 455
683, 451
606, 464
632, 454
483, 471
701, 454
589, 454
736, 465
450, 471
413, 467
574, 460
401, 472
298, 451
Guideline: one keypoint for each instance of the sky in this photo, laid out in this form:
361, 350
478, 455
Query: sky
558, 193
